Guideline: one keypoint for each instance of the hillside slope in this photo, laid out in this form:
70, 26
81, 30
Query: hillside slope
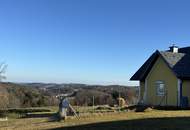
41, 94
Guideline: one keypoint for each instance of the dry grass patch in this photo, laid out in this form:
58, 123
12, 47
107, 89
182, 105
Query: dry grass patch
154, 120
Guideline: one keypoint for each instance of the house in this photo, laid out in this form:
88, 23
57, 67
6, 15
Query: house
165, 78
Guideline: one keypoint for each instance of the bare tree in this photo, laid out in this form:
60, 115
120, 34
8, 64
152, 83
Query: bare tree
4, 96
3, 68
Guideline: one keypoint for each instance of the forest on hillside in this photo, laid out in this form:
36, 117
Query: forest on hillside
38, 94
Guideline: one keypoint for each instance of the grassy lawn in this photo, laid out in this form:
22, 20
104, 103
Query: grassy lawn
153, 120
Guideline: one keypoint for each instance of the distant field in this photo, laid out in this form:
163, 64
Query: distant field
153, 120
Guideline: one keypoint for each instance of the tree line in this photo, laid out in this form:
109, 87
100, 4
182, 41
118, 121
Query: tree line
20, 96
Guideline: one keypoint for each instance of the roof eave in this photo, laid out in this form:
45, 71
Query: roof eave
143, 75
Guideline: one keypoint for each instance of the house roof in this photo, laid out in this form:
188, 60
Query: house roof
179, 63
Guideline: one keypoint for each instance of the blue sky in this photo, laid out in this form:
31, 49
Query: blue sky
87, 41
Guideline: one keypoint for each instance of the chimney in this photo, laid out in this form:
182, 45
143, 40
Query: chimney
174, 48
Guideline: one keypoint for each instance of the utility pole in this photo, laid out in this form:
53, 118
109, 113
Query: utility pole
93, 104
119, 101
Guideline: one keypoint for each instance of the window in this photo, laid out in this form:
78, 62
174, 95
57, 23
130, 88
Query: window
160, 88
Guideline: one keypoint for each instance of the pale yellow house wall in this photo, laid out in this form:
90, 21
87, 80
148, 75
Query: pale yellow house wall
160, 71
142, 88
186, 89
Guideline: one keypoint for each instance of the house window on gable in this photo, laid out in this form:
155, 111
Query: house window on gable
160, 88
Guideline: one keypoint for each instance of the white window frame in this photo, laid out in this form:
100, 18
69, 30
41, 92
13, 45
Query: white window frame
160, 88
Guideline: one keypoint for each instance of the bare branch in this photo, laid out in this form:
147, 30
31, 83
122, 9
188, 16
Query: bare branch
3, 68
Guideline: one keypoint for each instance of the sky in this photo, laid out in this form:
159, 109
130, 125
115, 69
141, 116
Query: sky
87, 41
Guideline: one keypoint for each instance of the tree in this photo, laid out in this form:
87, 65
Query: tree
3, 68
3, 92
4, 98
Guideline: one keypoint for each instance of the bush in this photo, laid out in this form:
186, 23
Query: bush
104, 108
24, 110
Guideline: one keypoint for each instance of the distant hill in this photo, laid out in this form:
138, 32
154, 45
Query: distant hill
44, 94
